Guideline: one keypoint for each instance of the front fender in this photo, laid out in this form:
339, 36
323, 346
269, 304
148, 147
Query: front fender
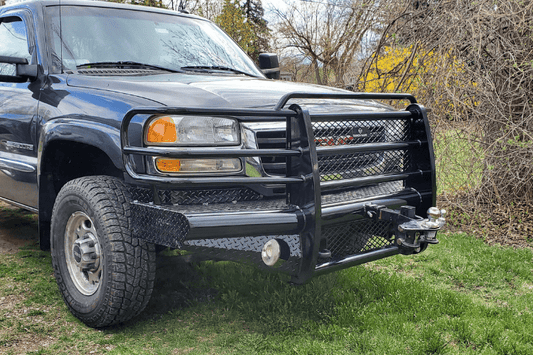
81, 130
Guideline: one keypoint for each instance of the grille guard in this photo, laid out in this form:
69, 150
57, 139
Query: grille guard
302, 179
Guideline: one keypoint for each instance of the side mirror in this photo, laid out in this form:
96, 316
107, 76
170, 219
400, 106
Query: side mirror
23, 70
269, 65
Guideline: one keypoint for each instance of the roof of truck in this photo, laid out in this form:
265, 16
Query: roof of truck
89, 3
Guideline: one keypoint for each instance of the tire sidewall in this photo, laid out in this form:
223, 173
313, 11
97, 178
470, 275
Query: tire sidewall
87, 307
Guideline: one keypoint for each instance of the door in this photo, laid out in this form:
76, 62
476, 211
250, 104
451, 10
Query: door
18, 110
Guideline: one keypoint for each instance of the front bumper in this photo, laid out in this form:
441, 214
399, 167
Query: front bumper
231, 232
323, 224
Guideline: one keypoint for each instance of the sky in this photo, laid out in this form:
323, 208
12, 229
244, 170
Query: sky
268, 5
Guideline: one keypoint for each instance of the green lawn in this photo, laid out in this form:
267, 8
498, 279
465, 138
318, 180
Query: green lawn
460, 296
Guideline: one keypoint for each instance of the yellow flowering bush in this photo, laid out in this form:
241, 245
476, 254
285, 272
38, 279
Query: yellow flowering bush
433, 77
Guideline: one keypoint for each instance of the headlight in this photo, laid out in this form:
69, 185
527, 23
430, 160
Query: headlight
192, 131
198, 166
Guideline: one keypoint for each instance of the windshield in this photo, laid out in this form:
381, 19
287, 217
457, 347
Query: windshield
95, 35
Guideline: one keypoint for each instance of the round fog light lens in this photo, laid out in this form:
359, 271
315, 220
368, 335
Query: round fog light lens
271, 252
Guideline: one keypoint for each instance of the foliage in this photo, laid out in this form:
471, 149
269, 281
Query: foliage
409, 68
234, 22
244, 22
470, 61
150, 3
254, 13
209, 9
329, 34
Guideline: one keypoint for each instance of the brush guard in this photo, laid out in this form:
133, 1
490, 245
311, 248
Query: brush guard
228, 232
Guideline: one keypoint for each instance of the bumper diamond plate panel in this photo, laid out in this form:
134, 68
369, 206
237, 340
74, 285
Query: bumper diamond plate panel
254, 244
197, 196
247, 250
381, 189
159, 225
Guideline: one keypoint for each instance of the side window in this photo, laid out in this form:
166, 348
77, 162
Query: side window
14, 43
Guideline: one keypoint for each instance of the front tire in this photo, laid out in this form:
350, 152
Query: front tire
105, 275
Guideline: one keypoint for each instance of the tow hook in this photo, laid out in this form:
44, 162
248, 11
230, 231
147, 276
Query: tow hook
413, 233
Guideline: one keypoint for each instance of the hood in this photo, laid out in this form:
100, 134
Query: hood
184, 90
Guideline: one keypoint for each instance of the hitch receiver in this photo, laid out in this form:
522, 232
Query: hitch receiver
413, 233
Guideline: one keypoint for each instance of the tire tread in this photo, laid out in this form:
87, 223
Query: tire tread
132, 267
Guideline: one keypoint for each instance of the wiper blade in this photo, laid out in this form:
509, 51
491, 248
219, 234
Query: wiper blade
125, 65
215, 68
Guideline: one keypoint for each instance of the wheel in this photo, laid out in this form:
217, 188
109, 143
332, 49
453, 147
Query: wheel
104, 274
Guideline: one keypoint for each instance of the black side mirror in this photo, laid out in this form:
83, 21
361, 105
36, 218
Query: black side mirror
23, 71
269, 65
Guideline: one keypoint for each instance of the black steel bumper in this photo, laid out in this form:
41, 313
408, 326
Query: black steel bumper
320, 234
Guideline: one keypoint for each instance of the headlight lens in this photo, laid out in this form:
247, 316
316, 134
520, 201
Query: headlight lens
192, 131
196, 166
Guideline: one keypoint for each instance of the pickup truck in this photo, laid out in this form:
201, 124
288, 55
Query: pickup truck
130, 129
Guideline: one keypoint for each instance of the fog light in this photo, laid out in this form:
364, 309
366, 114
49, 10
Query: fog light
198, 166
271, 252
275, 252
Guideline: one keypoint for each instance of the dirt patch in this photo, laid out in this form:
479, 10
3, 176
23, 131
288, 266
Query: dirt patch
28, 330
18, 228
496, 225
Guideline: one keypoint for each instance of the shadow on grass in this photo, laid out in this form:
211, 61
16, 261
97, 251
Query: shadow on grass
18, 228
222, 294
202, 299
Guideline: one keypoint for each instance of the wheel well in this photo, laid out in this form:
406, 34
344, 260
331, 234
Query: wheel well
64, 161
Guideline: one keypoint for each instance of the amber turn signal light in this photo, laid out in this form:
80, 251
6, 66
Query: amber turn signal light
198, 166
168, 165
161, 130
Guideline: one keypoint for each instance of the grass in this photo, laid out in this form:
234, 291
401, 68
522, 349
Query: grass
461, 296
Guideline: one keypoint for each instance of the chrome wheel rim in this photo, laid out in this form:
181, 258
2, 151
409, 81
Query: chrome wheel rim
83, 253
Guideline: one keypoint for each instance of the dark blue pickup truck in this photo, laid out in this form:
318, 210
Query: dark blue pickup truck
129, 129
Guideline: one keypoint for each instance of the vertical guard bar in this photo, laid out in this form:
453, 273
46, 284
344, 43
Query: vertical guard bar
306, 195
425, 157
288, 160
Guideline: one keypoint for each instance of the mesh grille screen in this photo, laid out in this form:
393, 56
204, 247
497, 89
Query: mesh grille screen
349, 166
330, 134
359, 132
356, 237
